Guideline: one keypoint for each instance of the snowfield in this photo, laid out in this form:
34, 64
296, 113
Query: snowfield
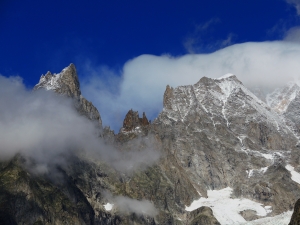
227, 210
295, 175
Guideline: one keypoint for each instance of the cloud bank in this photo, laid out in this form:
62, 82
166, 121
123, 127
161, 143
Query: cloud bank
46, 128
141, 83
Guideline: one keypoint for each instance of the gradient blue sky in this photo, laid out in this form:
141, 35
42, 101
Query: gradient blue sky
37, 36
41, 35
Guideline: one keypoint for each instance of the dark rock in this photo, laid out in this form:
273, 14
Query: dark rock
295, 220
132, 121
202, 216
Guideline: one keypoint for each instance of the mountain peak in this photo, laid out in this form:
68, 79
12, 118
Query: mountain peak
66, 82
132, 120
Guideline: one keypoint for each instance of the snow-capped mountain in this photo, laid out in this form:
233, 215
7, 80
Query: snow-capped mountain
226, 158
223, 136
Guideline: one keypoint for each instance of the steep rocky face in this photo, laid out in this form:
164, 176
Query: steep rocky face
66, 83
133, 126
203, 215
133, 121
29, 199
281, 98
222, 135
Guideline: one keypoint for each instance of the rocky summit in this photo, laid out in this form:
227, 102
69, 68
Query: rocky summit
216, 154
66, 83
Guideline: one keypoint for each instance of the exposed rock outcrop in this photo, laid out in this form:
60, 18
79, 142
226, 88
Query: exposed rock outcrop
132, 121
66, 83
202, 216
167, 97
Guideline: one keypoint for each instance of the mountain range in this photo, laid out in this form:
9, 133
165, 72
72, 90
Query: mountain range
216, 154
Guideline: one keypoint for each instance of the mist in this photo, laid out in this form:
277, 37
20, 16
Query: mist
128, 205
142, 81
46, 129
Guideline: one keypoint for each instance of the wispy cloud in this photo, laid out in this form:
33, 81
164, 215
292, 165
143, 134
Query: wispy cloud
293, 35
128, 205
296, 4
196, 42
45, 128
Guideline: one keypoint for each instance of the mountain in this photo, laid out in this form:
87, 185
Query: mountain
225, 157
66, 83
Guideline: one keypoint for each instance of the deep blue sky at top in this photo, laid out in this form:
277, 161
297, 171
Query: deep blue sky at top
41, 35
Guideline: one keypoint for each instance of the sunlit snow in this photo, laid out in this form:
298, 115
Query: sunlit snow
226, 209
295, 175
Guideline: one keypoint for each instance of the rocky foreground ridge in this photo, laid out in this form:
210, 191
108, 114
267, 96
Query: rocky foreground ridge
216, 140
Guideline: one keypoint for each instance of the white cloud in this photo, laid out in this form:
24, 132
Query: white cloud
45, 128
141, 207
141, 83
128, 205
293, 35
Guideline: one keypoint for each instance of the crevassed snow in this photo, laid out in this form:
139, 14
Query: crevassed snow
295, 175
108, 206
227, 210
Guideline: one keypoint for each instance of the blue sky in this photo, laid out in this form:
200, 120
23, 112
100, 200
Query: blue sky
106, 40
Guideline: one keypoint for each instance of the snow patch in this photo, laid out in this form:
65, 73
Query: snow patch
108, 206
295, 175
261, 170
226, 209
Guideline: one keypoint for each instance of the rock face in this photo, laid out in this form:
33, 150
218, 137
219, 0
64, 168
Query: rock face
66, 83
295, 220
27, 199
286, 102
133, 121
222, 135
203, 215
